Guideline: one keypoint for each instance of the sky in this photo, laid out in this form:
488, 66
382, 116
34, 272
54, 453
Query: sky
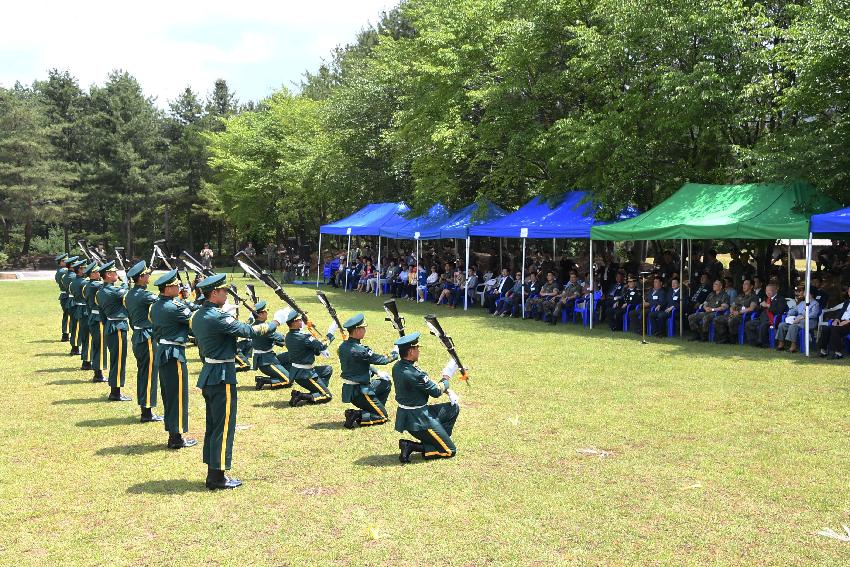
257, 46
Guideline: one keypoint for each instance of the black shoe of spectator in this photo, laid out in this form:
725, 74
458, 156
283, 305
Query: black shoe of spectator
837, 356
823, 354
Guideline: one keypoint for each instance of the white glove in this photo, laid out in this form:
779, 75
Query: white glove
453, 398
332, 328
325, 353
280, 316
450, 368
382, 375
229, 308
395, 350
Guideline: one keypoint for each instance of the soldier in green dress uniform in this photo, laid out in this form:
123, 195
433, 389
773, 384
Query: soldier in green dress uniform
216, 332
169, 316
358, 387
431, 424
81, 315
138, 302
71, 305
97, 340
62, 260
275, 367
303, 348
109, 300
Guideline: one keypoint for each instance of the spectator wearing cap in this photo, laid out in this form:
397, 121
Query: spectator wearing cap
795, 319
832, 335
631, 299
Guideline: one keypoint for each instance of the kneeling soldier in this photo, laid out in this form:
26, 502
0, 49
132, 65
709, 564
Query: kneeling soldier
273, 366
216, 332
370, 396
169, 316
431, 424
109, 300
303, 348
138, 302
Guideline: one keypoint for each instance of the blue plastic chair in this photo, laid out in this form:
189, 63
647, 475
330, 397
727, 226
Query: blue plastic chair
671, 322
626, 317
711, 327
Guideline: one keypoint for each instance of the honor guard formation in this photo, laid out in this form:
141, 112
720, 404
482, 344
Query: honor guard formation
104, 313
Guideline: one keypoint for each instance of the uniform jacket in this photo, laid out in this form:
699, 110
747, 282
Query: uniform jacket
76, 290
632, 296
112, 311
169, 319
356, 362
303, 348
413, 387
743, 300
66, 280
90, 290
700, 295
58, 277
658, 299
266, 343
715, 300
615, 292
673, 296
138, 302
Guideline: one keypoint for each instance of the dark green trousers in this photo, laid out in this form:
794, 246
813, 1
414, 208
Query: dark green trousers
83, 339
221, 425
117, 345
97, 346
316, 383
146, 373
75, 328
66, 318
373, 403
438, 438
174, 385
278, 375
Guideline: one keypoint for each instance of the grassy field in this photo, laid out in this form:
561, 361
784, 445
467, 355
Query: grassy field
714, 454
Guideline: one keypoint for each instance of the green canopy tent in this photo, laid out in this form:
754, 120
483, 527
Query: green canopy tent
750, 211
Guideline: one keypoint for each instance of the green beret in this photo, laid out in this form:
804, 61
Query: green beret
216, 281
138, 269
167, 278
358, 320
261, 305
108, 267
410, 340
93, 267
61, 257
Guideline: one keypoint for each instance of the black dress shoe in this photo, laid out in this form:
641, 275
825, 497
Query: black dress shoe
75, 351
151, 417
98, 377
224, 484
118, 398
408, 448
352, 418
181, 443
65, 338
259, 382
86, 365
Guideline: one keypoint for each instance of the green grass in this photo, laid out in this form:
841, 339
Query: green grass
719, 454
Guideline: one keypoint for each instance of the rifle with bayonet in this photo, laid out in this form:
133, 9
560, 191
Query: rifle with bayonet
323, 299
437, 330
199, 268
393, 316
252, 269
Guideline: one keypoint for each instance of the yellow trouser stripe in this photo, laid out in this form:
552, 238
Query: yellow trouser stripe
440, 442
91, 345
321, 390
180, 396
118, 374
77, 334
102, 353
279, 373
377, 409
226, 424
150, 372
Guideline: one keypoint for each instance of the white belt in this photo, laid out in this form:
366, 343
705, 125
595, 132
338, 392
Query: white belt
167, 342
95, 312
350, 382
63, 294
81, 303
402, 406
216, 361
263, 351
116, 318
141, 328
302, 366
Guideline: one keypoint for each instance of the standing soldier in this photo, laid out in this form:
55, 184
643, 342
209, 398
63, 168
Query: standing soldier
303, 348
216, 333
138, 302
432, 424
275, 367
114, 316
369, 396
169, 316
71, 305
62, 260
97, 346
81, 315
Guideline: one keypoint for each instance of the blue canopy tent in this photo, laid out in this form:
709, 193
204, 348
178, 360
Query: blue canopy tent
835, 222
365, 222
569, 216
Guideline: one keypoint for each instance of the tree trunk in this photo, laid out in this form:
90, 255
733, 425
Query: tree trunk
190, 231
166, 226
220, 235
67, 238
25, 249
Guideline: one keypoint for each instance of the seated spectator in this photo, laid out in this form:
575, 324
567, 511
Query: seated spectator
631, 299
504, 283
454, 278
547, 293
365, 275
832, 336
715, 304
430, 282
466, 287
341, 271
726, 325
512, 298
818, 292
565, 300
771, 310
758, 288
657, 302
730, 288
795, 319
613, 295
699, 296
659, 317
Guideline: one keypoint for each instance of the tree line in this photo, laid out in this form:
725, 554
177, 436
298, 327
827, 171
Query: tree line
452, 102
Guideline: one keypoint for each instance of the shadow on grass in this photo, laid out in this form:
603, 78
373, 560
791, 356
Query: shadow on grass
56, 354
390, 460
174, 486
77, 401
138, 449
107, 421
66, 369
335, 425
63, 382
42, 341
277, 404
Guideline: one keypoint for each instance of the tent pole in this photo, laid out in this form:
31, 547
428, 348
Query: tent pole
592, 288
347, 261
378, 275
319, 261
522, 272
808, 289
501, 260
789, 267
416, 263
681, 289
553, 250
466, 280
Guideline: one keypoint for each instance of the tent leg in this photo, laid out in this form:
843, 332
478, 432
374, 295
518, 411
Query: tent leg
592, 288
554, 247
466, 281
522, 272
378, 270
347, 262
808, 287
501, 258
416, 276
318, 262
681, 289
789, 266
